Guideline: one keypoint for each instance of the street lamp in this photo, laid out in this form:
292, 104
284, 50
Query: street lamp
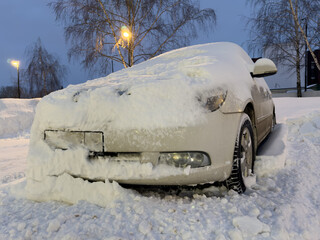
127, 35
125, 32
16, 64
306, 74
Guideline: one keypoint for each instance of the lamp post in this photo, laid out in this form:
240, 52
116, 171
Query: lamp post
306, 56
127, 35
16, 64
306, 75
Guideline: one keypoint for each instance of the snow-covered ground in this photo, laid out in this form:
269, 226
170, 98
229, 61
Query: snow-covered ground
283, 202
16, 117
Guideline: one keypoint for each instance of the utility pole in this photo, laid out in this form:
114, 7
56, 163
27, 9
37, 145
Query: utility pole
306, 60
16, 64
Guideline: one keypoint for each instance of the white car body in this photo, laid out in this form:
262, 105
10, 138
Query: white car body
121, 127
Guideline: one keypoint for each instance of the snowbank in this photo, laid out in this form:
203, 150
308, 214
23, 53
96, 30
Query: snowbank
295, 107
16, 116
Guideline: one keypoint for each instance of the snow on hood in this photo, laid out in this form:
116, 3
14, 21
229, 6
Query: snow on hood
158, 93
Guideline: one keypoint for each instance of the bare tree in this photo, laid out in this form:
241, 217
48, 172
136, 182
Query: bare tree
128, 31
274, 29
44, 73
312, 5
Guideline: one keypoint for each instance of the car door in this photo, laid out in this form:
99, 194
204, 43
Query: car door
263, 107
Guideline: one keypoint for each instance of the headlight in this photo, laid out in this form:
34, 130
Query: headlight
213, 100
184, 159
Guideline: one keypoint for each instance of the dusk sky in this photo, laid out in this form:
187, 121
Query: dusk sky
23, 22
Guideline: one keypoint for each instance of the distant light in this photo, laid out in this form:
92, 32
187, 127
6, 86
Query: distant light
15, 63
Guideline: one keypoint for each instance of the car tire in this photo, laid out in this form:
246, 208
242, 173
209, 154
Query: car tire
243, 157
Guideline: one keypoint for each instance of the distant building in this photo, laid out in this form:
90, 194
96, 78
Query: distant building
287, 77
313, 74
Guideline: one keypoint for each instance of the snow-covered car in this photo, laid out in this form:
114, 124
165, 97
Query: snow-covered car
190, 116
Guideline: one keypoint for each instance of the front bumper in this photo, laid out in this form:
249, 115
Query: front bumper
107, 148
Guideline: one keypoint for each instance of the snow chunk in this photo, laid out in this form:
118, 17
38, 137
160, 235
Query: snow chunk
54, 226
21, 226
235, 234
145, 227
250, 226
72, 190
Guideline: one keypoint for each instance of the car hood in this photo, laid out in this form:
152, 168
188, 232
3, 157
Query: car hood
159, 93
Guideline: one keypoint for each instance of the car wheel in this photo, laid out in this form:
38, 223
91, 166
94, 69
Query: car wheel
243, 157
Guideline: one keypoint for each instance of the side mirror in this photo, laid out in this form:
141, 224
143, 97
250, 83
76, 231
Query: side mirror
264, 67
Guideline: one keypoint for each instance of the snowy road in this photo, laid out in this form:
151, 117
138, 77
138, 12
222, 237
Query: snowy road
283, 202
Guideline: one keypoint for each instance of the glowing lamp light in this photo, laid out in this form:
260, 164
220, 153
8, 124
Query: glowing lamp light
15, 63
125, 32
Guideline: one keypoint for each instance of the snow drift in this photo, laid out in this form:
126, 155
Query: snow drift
16, 116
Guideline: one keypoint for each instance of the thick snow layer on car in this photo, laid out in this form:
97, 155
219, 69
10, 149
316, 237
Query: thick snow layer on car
162, 93
283, 202
158, 93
